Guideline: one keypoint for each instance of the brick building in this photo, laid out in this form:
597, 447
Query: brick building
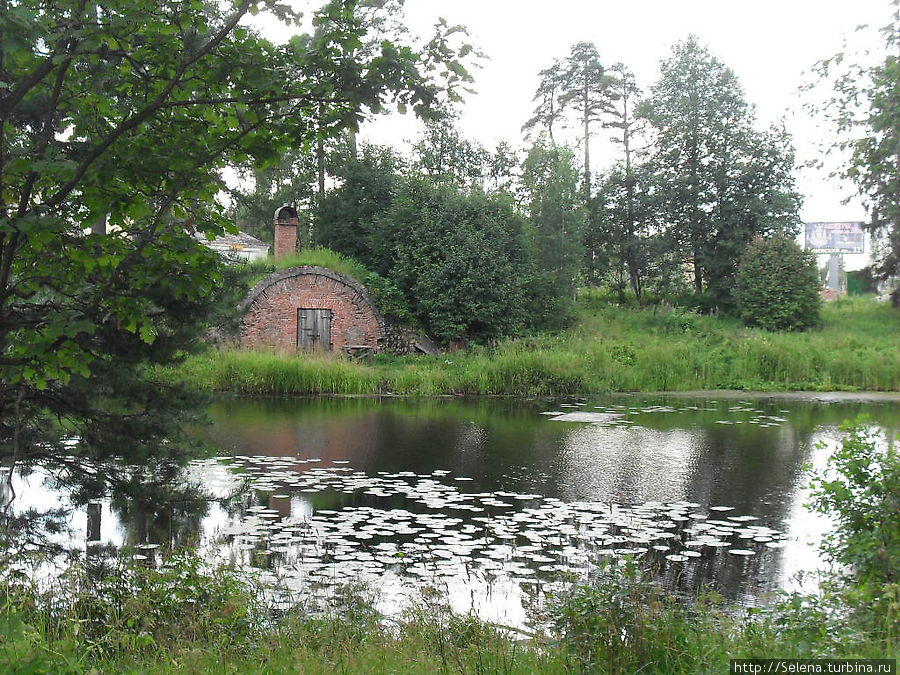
311, 308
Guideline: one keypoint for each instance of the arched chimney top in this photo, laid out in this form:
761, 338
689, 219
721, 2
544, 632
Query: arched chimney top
286, 215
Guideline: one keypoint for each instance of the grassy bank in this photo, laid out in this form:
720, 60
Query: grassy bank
180, 619
608, 349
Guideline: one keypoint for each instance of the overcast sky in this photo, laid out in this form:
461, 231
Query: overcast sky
770, 44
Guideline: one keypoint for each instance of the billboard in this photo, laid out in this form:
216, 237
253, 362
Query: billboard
834, 238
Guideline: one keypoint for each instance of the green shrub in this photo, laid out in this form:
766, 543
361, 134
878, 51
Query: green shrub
861, 491
458, 258
777, 286
389, 299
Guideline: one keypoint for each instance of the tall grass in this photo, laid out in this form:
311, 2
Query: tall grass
609, 349
266, 373
182, 618
318, 256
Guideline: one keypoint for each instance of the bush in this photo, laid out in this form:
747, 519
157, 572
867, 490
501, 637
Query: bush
777, 286
459, 260
861, 491
317, 256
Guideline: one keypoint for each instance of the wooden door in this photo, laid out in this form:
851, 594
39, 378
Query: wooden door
314, 329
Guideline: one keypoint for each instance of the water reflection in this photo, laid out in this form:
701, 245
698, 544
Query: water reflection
493, 499
747, 454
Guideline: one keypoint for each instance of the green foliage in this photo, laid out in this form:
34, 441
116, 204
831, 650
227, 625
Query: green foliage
459, 259
863, 110
548, 110
286, 181
187, 618
556, 223
721, 183
777, 286
390, 300
346, 219
266, 373
126, 611
609, 349
617, 623
619, 238
621, 213
317, 256
443, 155
861, 282
860, 490
123, 114
580, 86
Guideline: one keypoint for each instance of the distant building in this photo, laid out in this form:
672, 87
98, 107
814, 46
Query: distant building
310, 308
240, 247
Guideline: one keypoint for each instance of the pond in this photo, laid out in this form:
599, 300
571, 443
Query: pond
492, 501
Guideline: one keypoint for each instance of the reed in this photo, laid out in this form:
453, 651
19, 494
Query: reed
857, 347
270, 373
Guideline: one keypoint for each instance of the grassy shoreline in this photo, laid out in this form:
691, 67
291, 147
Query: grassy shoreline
184, 617
609, 349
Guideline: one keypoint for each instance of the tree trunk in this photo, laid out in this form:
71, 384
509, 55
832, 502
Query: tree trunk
587, 148
698, 277
351, 142
99, 225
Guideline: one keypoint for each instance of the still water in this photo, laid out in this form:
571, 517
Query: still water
494, 501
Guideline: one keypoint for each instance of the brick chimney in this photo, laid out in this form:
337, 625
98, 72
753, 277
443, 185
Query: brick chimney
286, 223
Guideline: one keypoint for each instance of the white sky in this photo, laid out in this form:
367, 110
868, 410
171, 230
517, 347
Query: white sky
770, 44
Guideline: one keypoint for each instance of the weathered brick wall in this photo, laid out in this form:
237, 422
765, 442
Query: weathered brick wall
285, 240
270, 318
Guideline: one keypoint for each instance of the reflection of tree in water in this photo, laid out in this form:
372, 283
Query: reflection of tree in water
153, 503
157, 506
28, 536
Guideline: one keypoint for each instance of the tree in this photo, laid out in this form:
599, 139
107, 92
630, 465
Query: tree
444, 156
459, 258
581, 85
290, 180
621, 188
859, 490
864, 112
127, 109
621, 225
777, 285
348, 215
759, 199
552, 201
722, 182
548, 110
587, 89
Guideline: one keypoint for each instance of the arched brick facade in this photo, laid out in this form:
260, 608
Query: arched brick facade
272, 310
